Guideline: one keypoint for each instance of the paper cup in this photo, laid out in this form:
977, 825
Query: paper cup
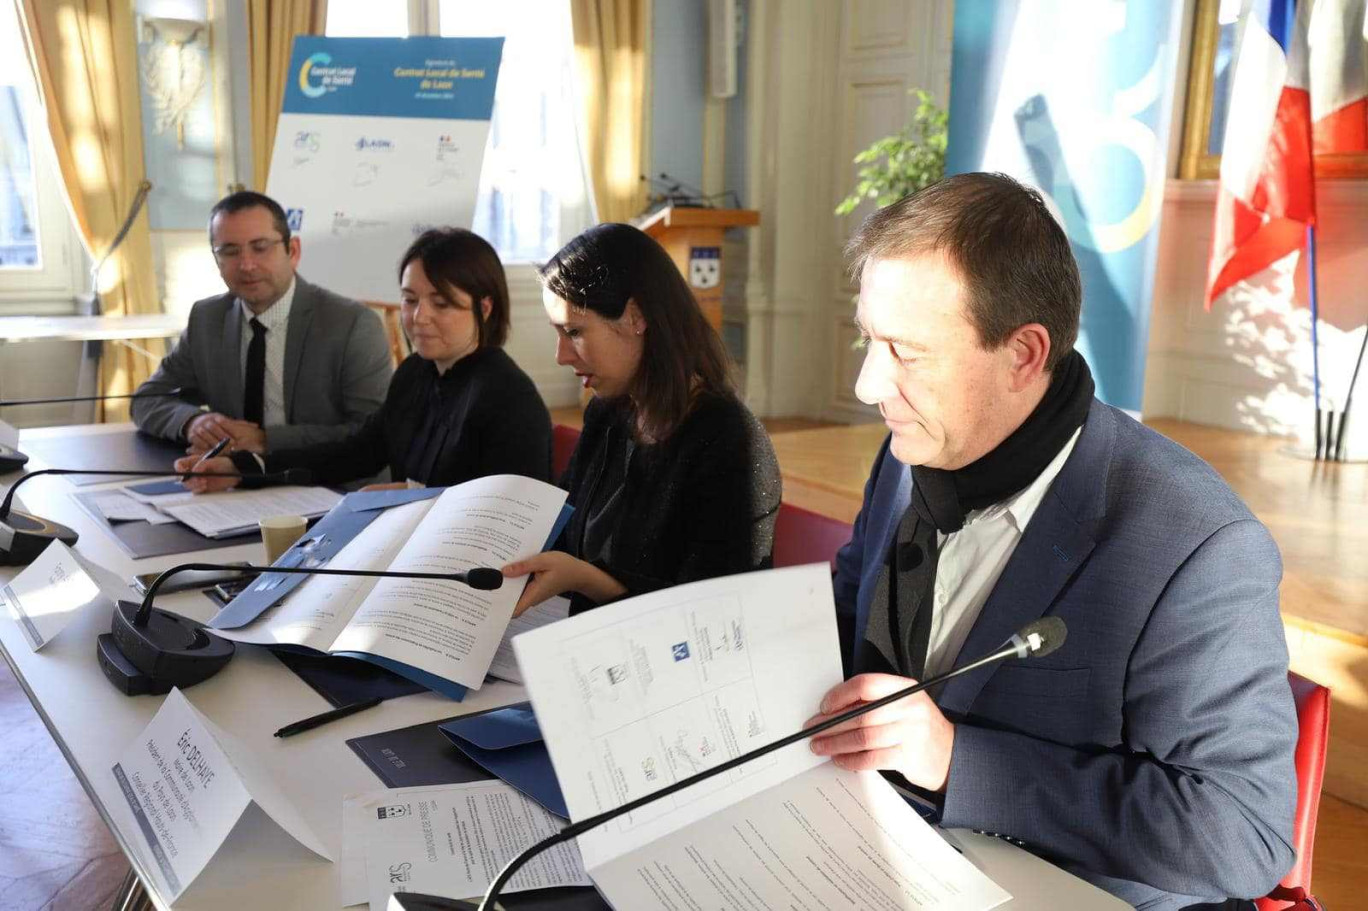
279, 532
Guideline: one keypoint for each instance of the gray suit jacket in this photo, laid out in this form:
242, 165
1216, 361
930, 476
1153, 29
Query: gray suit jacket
1153, 753
337, 368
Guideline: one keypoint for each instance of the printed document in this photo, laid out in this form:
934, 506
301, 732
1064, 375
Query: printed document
452, 840
234, 512
442, 628
637, 695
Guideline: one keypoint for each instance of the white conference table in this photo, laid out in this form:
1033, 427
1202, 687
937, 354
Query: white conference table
260, 866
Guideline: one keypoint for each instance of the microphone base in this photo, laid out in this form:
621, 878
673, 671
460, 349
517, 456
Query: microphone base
23, 536
11, 459
169, 651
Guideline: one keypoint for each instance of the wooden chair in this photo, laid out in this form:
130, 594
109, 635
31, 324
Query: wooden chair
394, 330
802, 536
563, 440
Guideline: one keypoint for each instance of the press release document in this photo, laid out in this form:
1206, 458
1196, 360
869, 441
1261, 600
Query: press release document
636, 695
452, 840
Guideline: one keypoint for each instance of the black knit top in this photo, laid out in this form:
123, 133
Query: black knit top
699, 504
482, 417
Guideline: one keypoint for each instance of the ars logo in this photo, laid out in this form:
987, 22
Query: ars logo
705, 267
399, 873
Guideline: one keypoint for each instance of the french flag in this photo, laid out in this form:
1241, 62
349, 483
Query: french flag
1267, 193
1338, 39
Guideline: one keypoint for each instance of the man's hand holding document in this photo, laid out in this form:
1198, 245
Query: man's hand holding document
637, 695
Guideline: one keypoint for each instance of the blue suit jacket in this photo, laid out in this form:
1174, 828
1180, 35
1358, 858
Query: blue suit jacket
1153, 753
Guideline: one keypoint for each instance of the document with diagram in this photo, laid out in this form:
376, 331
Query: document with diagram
634, 696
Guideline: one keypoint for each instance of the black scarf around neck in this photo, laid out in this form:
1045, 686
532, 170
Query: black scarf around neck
942, 498
899, 629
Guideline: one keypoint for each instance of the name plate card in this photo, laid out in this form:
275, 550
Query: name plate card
187, 783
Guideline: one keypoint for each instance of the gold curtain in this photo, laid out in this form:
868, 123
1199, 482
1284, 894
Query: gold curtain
610, 70
271, 29
84, 57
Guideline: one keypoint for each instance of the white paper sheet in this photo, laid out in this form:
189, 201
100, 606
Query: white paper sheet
446, 628
217, 515
452, 840
48, 593
635, 695
118, 506
187, 783
638, 695
838, 839
314, 614
8, 436
505, 665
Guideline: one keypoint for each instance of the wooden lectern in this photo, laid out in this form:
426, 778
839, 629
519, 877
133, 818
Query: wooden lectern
693, 238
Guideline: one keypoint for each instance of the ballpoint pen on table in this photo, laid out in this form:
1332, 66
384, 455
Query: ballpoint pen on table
308, 724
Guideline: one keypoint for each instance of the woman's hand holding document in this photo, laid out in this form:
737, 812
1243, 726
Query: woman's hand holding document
637, 695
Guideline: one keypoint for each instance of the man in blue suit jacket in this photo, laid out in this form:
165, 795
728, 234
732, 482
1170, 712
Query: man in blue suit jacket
1153, 753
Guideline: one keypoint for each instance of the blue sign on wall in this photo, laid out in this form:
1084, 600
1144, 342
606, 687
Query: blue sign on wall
1074, 97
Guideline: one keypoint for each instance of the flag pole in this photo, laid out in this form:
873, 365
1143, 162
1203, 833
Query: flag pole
1315, 344
1349, 400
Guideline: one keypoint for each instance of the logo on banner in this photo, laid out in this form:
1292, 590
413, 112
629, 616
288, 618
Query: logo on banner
374, 144
446, 146
317, 78
705, 267
306, 141
294, 219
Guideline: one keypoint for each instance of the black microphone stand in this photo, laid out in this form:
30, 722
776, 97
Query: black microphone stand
1047, 637
150, 650
23, 535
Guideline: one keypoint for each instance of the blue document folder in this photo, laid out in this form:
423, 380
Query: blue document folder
508, 744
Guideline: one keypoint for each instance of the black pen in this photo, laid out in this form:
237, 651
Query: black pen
308, 724
218, 447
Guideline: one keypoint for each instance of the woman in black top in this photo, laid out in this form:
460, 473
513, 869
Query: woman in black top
673, 479
457, 408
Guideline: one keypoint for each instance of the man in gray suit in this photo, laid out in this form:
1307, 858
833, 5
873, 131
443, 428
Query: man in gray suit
276, 362
1153, 753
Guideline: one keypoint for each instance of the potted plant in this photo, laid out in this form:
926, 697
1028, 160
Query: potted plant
903, 163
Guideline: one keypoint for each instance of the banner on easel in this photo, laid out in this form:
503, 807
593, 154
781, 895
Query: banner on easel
380, 139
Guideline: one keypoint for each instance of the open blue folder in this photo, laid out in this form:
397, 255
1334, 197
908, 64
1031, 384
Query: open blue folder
508, 744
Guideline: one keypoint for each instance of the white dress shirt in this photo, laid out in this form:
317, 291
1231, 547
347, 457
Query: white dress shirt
971, 560
276, 319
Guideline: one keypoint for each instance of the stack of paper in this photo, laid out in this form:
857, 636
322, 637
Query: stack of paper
235, 512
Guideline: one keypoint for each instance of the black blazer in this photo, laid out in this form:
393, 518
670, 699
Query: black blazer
482, 417
700, 504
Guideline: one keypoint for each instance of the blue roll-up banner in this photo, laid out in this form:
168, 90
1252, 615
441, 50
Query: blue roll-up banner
378, 140
1075, 98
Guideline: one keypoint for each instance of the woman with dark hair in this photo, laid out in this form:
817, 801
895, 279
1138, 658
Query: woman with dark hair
457, 408
673, 479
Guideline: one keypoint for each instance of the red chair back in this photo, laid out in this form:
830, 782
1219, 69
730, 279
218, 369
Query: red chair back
563, 440
802, 536
1313, 724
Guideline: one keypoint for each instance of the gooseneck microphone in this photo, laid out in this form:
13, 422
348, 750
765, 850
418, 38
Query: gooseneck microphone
12, 459
1036, 639
23, 536
149, 650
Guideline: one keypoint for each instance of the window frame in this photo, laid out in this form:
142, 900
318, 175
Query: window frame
1195, 162
52, 288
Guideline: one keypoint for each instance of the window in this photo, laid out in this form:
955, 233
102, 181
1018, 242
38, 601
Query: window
39, 263
367, 19
1215, 43
533, 192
